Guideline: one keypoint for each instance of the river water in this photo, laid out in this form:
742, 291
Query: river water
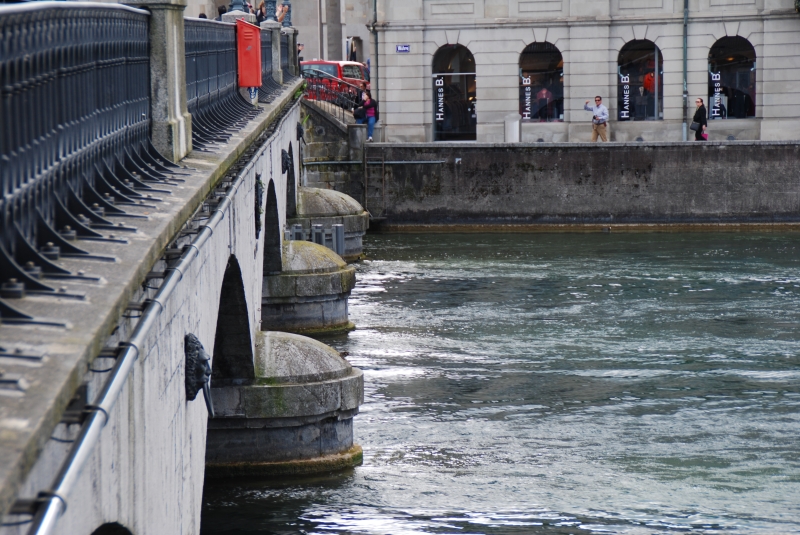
561, 383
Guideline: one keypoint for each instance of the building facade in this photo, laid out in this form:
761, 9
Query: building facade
340, 25
455, 69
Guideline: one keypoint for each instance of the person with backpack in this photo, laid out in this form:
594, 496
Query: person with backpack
371, 108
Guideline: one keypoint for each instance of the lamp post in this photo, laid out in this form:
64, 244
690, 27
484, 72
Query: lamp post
238, 5
271, 11
287, 19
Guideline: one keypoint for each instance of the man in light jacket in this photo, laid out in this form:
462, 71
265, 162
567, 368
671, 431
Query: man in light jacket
599, 119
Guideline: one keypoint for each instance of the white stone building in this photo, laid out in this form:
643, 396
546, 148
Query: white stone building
741, 54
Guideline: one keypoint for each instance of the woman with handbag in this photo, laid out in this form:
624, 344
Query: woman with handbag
371, 107
700, 121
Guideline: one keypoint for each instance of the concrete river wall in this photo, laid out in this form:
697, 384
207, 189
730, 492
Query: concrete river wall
552, 184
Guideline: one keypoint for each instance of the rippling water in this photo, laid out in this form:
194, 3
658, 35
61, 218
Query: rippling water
561, 383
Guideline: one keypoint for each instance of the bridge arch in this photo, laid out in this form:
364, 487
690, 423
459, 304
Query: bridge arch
112, 529
233, 347
272, 232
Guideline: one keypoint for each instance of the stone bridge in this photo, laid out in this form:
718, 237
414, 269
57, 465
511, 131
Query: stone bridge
143, 258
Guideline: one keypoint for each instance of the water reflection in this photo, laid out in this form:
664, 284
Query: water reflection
561, 384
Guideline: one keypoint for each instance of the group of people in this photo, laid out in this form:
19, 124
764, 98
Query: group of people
260, 13
366, 110
600, 120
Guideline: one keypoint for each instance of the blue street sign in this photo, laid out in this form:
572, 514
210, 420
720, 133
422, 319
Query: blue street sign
403, 49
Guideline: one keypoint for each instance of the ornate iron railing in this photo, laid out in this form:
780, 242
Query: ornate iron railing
74, 135
269, 87
287, 75
211, 87
334, 95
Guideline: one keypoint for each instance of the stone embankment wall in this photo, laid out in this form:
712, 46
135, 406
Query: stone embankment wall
672, 183
329, 146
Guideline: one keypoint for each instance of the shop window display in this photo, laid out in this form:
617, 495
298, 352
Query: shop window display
454, 94
732, 79
640, 94
541, 83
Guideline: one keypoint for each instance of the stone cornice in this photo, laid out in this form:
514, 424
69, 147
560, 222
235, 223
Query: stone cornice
668, 18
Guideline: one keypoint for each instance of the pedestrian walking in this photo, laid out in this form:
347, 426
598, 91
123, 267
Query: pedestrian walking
371, 107
599, 119
700, 121
221, 10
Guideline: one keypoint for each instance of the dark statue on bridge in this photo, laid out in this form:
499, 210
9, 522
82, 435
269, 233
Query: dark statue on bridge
286, 161
198, 371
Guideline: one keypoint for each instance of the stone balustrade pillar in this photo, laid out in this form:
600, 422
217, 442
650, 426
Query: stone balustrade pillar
171, 122
233, 16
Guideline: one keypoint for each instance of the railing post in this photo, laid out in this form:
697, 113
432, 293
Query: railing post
274, 27
233, 16
171, 122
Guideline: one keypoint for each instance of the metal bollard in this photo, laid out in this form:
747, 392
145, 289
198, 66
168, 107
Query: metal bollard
318, 235
297, 232
338, 239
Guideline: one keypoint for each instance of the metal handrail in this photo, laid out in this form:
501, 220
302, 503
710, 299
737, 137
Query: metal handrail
330, 77
329, 97
27, 7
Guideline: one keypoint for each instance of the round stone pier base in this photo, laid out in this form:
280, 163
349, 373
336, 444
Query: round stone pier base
327, 207
309, 295
295, 417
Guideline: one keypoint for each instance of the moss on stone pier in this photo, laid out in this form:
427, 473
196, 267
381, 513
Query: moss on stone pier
328, 463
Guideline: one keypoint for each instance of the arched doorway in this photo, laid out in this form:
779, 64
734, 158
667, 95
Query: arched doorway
233, 350
732, 79
272, 233
454, 94
640, 94
541, 83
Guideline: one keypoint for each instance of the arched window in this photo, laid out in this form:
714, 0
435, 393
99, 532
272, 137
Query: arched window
454, 94
641, 82
541, 83
732, 79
